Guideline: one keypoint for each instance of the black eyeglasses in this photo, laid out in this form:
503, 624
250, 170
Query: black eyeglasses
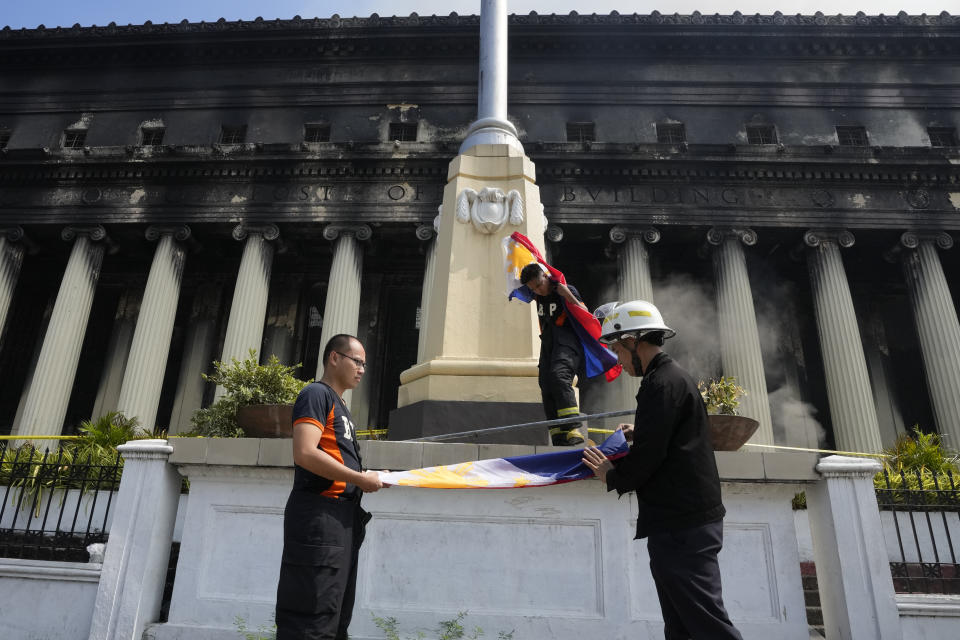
361, 364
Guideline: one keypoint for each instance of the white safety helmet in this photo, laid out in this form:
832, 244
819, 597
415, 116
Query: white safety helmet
631, 320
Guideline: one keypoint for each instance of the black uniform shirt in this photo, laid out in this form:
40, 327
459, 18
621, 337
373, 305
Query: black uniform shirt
670, 464
320, 406
552, 315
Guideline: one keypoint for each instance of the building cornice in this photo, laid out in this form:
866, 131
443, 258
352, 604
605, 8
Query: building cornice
454, 36
336, 23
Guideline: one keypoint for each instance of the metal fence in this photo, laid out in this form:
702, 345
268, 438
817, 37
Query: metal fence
925, 513
55, 502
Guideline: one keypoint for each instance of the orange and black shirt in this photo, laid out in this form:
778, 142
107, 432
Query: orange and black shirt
320, 406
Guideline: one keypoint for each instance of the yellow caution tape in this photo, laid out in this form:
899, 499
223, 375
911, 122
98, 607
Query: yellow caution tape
841, 453
39, 437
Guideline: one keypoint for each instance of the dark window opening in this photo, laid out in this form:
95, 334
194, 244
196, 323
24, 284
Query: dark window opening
942, 136
4, 138
671, 133
233, 134
151, 136
581, 132
403, 131
74, 138
761, 134
316, 133
852, 136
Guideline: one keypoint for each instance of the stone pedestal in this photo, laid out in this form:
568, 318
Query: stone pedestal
739, 338
11, 259
856, 588
143, 377
852, 410
48, 393
490, 193
249, 307
937, 328
135, 564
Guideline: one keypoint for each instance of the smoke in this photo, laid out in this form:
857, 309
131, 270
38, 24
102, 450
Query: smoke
778, 326
689, 308
794, 421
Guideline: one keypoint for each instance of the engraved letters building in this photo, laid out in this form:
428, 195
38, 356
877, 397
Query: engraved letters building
785, 188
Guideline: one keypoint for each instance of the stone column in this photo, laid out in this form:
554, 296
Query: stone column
935, 317
341, 313
118, 350
852, 411
197, 353
147, 362
553, 236
426, 234
249, 307
135, 564
45, 406
633, 283
739, 339
11, 258
856, 588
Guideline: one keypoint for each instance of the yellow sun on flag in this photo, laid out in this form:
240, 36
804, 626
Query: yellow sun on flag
445, 477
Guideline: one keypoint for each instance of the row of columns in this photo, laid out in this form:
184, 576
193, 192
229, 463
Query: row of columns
47, 393
849, 394
848, 387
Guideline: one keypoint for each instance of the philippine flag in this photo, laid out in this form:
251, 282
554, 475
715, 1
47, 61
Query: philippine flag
507, 473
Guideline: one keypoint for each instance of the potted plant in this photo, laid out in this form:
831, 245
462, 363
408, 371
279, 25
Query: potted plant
728, 430
258, 401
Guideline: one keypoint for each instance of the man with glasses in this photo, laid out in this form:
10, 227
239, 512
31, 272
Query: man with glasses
323, 524
671, 467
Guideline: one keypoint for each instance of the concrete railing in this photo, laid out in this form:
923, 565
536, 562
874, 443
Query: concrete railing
556, 562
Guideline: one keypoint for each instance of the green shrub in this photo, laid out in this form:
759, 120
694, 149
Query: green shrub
447, 630
916, 462
34, 471
245, 382
721, 396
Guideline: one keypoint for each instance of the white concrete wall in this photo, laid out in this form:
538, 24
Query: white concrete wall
929, 617
42, 600
556, 562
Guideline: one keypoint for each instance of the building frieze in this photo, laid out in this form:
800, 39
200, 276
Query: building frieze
584, 199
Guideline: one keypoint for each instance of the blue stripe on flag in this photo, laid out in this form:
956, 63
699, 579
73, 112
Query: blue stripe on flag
566, 466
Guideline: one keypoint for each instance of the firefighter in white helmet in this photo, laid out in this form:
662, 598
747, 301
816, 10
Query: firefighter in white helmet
672, 469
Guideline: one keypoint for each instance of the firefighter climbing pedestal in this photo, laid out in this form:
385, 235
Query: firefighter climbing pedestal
479, 365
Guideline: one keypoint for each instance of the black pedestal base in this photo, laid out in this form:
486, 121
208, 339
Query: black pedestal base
436, 417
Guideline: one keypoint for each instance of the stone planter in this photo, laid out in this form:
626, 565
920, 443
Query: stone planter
729, 433
266, 420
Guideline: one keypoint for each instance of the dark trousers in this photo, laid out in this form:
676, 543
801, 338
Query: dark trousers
318, 573
685, 570
558, 366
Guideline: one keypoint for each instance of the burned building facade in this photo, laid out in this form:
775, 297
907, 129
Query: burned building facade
785, 188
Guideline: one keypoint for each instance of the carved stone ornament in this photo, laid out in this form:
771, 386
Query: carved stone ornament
918, 198
361, 232
821, 198
717, 235
270, 232
490, 209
